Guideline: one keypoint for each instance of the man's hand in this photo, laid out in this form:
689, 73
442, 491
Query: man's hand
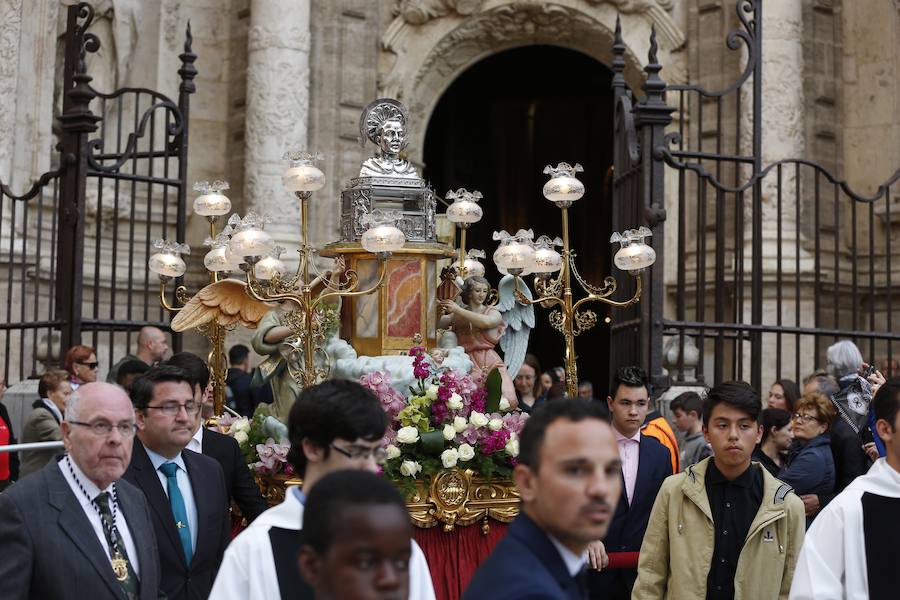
872, 451
811, 504
598, 559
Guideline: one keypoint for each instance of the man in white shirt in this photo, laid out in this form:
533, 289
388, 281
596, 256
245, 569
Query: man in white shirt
850, 550
75, 529
333, 426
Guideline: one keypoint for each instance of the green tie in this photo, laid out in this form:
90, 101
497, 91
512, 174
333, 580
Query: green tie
176, 500
122, 570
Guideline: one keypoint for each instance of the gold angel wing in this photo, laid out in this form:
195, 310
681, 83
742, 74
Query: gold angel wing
225, 301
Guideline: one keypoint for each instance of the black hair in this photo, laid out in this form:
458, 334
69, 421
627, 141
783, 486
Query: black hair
791, 392
688, 402
738, 394
142, 388
634, 377
323, 512
131, 367
333, 409
773, 417
238, 354
194, 365
532, 436
886, 403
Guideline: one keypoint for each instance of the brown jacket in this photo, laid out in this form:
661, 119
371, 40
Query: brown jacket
678, 546
41, 426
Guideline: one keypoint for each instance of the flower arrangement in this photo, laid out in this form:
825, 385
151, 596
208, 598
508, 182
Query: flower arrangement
449, 420
263, 454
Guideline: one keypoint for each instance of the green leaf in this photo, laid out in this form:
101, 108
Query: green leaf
493, 383
432, 442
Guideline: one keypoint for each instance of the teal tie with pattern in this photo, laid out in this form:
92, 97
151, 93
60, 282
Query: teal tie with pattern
176, 501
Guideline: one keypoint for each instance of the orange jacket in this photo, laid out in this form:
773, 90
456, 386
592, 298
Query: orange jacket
660, 429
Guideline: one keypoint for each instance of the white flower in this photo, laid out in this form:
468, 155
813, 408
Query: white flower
512, 447
410, 468
455, 402
466, 452
449, 457
460, 424
241, 437
477, 419
449, 431
504, 405
431, 392
241, 425
408, 435
495, 424
392, 451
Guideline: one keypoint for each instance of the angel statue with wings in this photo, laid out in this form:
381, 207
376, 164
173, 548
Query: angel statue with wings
479, 327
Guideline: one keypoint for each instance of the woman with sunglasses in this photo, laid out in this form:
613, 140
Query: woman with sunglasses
81, 363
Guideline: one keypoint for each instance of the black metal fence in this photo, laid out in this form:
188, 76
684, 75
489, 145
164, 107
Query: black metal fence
74, 247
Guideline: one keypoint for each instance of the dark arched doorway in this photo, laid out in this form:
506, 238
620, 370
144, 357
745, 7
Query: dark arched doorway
495, 129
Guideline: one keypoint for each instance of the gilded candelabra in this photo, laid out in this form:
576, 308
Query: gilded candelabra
519, 254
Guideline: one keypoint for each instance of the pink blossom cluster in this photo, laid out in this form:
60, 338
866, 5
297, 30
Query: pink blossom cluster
224, 423
494, 441
421, 368
272, 458
379, 382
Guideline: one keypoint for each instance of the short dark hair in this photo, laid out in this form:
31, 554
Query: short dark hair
738, 394
337, 491
335, 408
142, 388
50, 381
532, 436
194, 365
131, 367
791, 392
773, 417
634, 377
886, 403
688, 402
238, 354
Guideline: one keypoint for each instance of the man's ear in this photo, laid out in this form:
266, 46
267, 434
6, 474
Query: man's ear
525, 481
139, 419
308, 563
313, 452
884, 430
609, 402
705, 431
66, 431
759, 433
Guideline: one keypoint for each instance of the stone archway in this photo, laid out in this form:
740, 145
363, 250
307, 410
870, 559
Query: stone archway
431, 42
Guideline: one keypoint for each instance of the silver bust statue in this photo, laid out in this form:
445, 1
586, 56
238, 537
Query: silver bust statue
384, 123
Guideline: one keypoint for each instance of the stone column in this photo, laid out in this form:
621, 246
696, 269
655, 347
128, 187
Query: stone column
277, 108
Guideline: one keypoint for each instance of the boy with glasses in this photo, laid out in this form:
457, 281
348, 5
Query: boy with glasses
185, 489
333, 426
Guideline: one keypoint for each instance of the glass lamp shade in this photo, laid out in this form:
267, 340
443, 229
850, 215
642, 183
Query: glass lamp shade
303, 176
232, 260
546, 260
213, 204
634, 256
383, 238
563, 188
251, 242
514, 257
464, 212
473, 267
268, 267
167, 264
217, 260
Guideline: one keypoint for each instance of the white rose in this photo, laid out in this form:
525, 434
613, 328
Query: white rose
408, 435
460, 424
431, 392
449, 431
241, 437
477, 419
512, 447
449, 457
504, 405
466, 452
241, 425
410, 468
495, 424
455, 402
392, 451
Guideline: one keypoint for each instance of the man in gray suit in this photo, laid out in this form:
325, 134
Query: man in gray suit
74, 529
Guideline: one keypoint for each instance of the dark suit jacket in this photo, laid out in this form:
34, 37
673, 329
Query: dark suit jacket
238, 481
50, 550
850, 460
180, 581
524, 565
626, 532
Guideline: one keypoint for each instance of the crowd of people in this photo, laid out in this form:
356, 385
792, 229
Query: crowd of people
795, 500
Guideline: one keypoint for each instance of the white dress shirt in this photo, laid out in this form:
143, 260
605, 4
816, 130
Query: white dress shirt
196, 443
574, 563
184, 485
87, 505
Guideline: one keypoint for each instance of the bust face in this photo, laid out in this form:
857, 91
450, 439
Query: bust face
392, 137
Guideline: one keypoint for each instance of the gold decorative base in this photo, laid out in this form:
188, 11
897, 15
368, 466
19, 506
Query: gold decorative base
453, 498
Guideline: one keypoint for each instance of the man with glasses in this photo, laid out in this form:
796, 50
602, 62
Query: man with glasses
75, 529
185, 489
333, 426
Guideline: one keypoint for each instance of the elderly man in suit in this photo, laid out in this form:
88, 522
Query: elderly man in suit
569, 482
185, 490
74, 529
